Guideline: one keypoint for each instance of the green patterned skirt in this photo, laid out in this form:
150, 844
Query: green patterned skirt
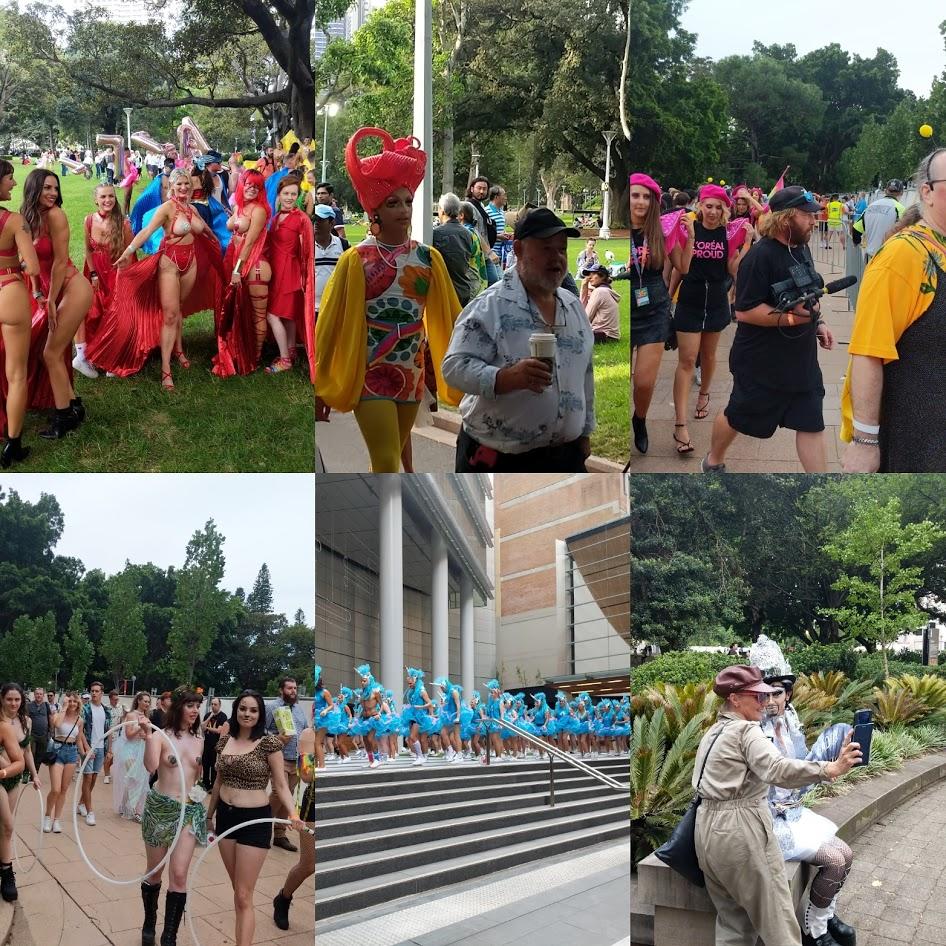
161, 815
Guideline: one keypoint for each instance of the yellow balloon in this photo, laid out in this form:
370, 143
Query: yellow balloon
709, 180
926, 131
721, 181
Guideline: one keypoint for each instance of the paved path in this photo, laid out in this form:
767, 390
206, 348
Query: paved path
65, 903
896, 892
749, 455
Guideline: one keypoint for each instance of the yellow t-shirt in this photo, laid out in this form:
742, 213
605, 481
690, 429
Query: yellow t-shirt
898, 287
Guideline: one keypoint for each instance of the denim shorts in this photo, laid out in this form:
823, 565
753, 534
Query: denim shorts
66, 753
94, 765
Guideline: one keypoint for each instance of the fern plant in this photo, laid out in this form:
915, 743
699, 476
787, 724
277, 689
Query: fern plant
897, 707
682, 703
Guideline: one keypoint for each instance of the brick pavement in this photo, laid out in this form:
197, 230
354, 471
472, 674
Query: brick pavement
748, 455
896, 892
64, 902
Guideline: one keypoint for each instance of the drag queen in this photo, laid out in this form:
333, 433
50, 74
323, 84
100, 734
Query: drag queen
129, 775
107, 233
491, 714
248, 760
415, 715
153, 295
389, 300
242, 331
291, 292
450, 718
802, 834
162, 811
326, 718
371, 724
17, 255
305, 866
14, 749
61, 298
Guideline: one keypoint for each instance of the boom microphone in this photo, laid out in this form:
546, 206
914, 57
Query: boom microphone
840, 284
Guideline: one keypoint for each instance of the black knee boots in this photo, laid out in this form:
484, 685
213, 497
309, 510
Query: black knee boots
7, 883
149, 897
281, 904
173, 911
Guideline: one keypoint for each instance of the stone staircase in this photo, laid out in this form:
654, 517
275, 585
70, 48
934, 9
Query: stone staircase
401, 829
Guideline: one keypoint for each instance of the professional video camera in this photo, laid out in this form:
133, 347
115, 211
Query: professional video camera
805, 286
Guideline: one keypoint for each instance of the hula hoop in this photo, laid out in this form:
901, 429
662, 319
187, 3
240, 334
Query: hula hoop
75, 815
42, 813
192, 873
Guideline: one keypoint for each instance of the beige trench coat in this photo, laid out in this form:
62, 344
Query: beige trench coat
735, 843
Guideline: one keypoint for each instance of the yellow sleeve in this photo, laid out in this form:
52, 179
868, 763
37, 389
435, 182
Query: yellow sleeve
341, 335
440, 313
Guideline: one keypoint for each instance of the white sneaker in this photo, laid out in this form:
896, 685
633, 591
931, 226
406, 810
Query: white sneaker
423, 759
417, 760
456, 757
346, 759
90, 819
83, 810
47, 824
108, 780
374, 764
84, 367
57, 827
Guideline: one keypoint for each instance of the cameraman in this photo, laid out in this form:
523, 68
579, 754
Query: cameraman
774, 357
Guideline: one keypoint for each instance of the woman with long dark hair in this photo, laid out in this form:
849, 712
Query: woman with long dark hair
14, 725
248, 760
650, 301
152, 296
17, 255
162, 811
63, 292
246, 267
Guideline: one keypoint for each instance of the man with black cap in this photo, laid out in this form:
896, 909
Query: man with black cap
522, 351
735, 842
774, 357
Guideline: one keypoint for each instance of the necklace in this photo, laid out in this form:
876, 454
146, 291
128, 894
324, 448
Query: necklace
390, 261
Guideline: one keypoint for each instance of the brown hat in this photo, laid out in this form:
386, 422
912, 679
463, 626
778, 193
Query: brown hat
740, 679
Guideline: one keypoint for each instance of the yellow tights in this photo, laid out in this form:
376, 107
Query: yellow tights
385, 427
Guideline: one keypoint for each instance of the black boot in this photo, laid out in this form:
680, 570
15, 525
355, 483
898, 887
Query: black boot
13, 451
843, 934
7, 883
826, 939
149, 897
640, 433
281, 904
78, 410
63, 421
173, 911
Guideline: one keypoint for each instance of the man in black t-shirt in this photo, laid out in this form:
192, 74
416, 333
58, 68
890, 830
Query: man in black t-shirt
774, 356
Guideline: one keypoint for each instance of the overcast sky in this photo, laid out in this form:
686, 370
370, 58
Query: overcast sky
266, 517
910, 32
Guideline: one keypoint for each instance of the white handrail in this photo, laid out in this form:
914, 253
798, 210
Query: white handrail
564, 756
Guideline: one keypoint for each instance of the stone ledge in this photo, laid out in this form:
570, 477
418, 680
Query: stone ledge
684, 913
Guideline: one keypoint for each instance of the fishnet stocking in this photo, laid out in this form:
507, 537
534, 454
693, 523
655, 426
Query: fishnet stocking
834, 857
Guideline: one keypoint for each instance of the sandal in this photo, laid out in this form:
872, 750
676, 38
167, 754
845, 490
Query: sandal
684, 446
181, 358
701, 412
167, 382
279, 365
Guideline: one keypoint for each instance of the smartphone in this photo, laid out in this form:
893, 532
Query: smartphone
863, 730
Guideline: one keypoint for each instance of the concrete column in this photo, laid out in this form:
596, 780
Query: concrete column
422, 221
439, 608
390, 581
467, 676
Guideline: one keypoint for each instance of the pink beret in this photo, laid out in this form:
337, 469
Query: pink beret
645, 180
715, 191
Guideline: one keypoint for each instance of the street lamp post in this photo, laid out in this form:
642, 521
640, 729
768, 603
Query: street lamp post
476, 164
605, 232
253, 121
422, 223
127, 112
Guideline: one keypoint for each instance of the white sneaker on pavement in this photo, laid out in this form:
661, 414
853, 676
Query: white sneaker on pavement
84, 367
90, 819
374, 764
108, 780
83, 810
57, 827
47, 824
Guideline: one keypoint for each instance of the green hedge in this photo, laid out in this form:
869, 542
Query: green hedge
679, 667
871, 667
823, 658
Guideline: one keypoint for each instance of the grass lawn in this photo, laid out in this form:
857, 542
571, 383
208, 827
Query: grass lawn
258, 423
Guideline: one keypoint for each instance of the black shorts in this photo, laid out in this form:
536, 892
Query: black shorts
256, 835
758, 411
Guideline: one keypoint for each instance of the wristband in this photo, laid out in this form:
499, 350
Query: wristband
866, 441
866, 428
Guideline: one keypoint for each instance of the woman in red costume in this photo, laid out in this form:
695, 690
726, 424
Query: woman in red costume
107, 233
15, 245
153, 295
291, 299
62, 297
387, 313
243, 329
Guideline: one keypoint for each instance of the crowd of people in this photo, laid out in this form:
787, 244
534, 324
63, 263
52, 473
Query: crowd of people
367, 721
239, 771
237, 240
488, 318
702, 261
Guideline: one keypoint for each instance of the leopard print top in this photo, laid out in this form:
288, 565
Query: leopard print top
248, 770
